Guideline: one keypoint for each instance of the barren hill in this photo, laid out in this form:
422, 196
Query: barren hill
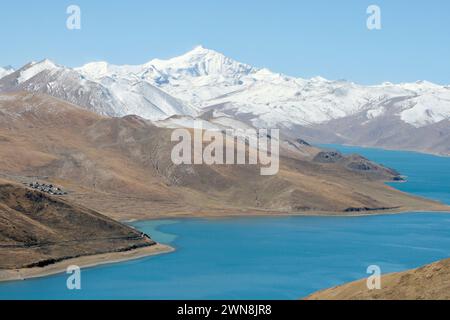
37, 230
430, 282
122, 167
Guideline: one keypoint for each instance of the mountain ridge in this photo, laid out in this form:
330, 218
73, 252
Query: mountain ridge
423, 102
108, 97
206, 80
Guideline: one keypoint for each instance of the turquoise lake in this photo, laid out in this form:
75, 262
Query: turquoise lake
271, 258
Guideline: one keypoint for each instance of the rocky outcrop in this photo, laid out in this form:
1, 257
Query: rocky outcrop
357, 163
328, 157
365, 209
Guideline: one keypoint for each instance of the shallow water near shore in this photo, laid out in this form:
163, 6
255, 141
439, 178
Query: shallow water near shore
271, 257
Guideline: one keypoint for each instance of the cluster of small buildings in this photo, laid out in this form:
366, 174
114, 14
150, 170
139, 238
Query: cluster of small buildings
47, 188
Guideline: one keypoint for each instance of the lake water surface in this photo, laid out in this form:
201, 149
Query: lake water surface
271, 258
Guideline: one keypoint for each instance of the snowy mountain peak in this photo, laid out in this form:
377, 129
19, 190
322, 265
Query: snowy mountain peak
200, 62
45, 63
319, 79
34, 68
195, 55
204, 78
200, 53
201, 50
96, 69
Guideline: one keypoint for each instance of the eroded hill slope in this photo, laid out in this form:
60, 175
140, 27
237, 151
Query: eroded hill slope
37, 230
122, 167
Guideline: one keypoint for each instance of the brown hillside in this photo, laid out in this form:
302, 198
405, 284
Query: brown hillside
431, 282
37, 230
122, 167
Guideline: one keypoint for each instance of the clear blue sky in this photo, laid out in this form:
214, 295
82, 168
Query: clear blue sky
298, 38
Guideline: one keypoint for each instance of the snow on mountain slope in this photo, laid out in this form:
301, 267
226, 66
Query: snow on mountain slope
200, 62
60, 82
5, 71
427, 108
143, 99
210, 70
107, 96
271, 99
36, 68
204, 79
321, 101
207, 79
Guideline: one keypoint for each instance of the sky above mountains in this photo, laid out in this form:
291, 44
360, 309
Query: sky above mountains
299, 38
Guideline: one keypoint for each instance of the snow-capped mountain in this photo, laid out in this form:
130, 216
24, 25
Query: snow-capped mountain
204, 80
104, 95
207, 69
271, 99
413, 116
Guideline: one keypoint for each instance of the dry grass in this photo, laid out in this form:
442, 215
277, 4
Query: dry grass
122, 167
431, 282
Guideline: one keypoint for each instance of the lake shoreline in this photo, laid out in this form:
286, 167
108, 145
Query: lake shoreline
444, 210
118, 257
159, 264
83, 262
419, 151
435, 206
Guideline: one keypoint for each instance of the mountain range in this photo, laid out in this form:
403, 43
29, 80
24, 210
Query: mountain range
411, 116
71, 128
102, 132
